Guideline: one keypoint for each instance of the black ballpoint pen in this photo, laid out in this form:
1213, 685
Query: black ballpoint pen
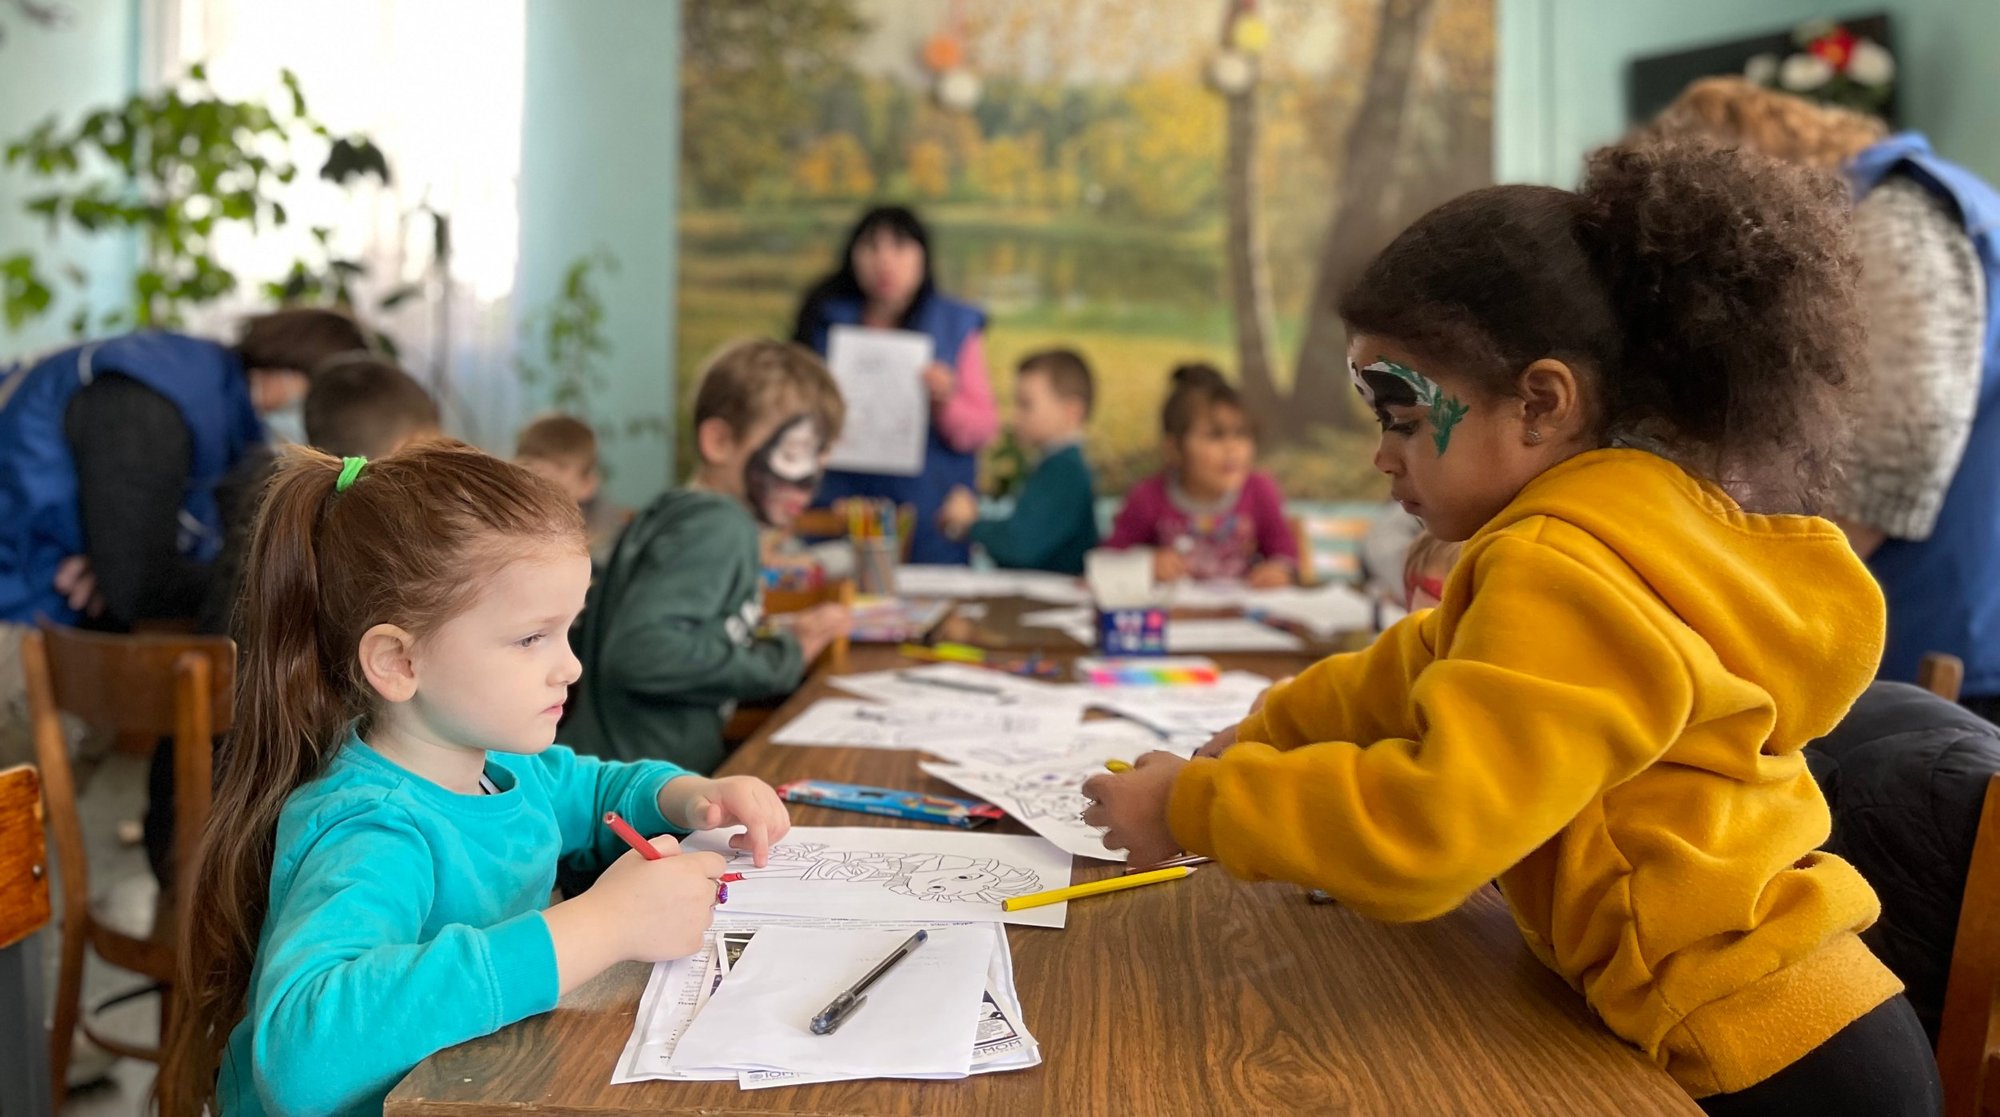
835, 1014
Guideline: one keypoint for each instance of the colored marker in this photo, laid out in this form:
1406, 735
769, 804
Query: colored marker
1097, 887
1117, 766
624, 830
730, 878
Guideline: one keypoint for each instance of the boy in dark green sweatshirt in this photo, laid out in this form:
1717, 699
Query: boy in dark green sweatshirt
669, 637
1055, 517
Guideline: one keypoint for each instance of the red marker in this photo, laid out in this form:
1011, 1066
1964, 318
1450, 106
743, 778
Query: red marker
730, 878
624, 830
631, 837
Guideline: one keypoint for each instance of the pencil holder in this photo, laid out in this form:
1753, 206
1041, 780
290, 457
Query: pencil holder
875, 566
1136, 630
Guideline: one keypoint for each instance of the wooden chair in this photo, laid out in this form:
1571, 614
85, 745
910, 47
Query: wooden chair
1968, 1043
829, 523
24, 910
161, 686
1941, 674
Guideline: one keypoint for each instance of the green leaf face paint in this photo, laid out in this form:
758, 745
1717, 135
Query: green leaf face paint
1384, 383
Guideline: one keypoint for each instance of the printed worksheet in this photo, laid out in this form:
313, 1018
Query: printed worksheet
1047, 795
881, 376
857, 724
866, 872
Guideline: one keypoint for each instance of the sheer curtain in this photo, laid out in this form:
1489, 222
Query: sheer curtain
436, 84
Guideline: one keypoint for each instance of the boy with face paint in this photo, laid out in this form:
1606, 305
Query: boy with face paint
669, 634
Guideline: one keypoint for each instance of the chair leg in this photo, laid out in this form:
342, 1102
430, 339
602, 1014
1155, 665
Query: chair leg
68, 1008
24, 1083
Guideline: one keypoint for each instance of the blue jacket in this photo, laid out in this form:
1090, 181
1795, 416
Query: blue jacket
40, 522
949, 323
1944, 591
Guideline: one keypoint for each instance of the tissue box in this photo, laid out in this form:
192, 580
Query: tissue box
1133, 630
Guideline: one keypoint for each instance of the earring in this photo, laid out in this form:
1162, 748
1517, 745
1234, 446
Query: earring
1534, 438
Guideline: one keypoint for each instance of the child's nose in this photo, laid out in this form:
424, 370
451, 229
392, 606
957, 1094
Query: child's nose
1386, 459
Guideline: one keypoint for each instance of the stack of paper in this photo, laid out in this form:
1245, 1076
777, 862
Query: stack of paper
965, 581
679, 990
829, 904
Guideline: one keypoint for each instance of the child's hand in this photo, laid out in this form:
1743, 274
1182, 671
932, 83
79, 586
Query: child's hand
698, 803
959, 513
1169, 566
1219, 744
818, 627
939, 382
1133, 807
1270, 575
660, 909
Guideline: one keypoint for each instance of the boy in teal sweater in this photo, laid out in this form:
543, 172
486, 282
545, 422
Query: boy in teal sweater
1055, 517
669, 636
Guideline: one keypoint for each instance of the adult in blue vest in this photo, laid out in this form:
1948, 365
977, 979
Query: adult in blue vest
1923, 506
884, 280
111, 451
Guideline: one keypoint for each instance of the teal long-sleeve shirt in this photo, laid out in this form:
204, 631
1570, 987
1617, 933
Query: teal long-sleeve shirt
1054, 521
406, 918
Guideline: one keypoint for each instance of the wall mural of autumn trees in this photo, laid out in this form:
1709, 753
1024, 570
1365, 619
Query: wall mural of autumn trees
1103, 191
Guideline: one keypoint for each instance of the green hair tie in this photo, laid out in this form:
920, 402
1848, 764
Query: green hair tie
350, 468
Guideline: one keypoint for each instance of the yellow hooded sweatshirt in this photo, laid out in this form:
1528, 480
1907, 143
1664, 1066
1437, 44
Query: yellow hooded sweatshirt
1605, 712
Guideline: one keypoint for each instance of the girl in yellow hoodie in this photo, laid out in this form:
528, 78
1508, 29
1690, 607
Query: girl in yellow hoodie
1621, 399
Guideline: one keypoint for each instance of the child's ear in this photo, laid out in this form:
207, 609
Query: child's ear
1170, 452
715, 440
1551, 398
387, 664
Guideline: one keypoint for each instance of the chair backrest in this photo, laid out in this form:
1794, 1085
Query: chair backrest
777, 602
1941, 674
24, 864
1969, 1031
180, 687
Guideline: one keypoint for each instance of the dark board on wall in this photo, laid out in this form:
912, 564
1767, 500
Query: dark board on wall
1654, 81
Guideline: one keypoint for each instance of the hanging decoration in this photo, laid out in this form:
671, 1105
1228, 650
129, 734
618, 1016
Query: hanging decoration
1830, 64
1232, 71
954, 84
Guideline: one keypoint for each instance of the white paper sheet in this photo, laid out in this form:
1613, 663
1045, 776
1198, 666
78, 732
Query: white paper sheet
1322, 610
1046, 795
917, 580
881, 376
1184, 711
865, 872
919, 1019
854, 724
1229, 634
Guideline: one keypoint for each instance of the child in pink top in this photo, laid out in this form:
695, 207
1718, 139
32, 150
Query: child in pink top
1208, 514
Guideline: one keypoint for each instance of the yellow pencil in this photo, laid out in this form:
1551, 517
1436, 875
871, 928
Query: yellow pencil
1078, 891
1117, 766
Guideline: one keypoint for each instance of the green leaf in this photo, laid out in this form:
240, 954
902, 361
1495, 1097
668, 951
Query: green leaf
399, 296
198, 71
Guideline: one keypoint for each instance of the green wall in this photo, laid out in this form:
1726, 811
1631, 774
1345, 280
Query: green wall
599, 143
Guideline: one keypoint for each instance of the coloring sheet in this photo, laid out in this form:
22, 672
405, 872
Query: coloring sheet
1047, 795
1229, 634
866, 872
855, 724
919, 580
881, 376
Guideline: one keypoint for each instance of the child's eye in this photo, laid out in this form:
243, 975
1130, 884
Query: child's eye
529, 641
1406, 427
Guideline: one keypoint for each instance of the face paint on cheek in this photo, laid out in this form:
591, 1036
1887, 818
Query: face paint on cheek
787, 465
1384, 383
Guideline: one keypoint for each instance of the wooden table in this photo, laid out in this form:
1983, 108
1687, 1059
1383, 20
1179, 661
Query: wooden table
1211, 995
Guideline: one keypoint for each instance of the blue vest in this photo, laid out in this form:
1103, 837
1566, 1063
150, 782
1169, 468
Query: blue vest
1944, 592
948, 322
40, 521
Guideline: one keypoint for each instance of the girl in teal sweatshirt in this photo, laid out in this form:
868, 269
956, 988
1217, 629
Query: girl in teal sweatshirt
376, 872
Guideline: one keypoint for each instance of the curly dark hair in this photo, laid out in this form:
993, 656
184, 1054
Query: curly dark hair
1706, 295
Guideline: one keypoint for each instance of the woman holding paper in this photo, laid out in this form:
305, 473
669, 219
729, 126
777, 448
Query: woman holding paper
884, 282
